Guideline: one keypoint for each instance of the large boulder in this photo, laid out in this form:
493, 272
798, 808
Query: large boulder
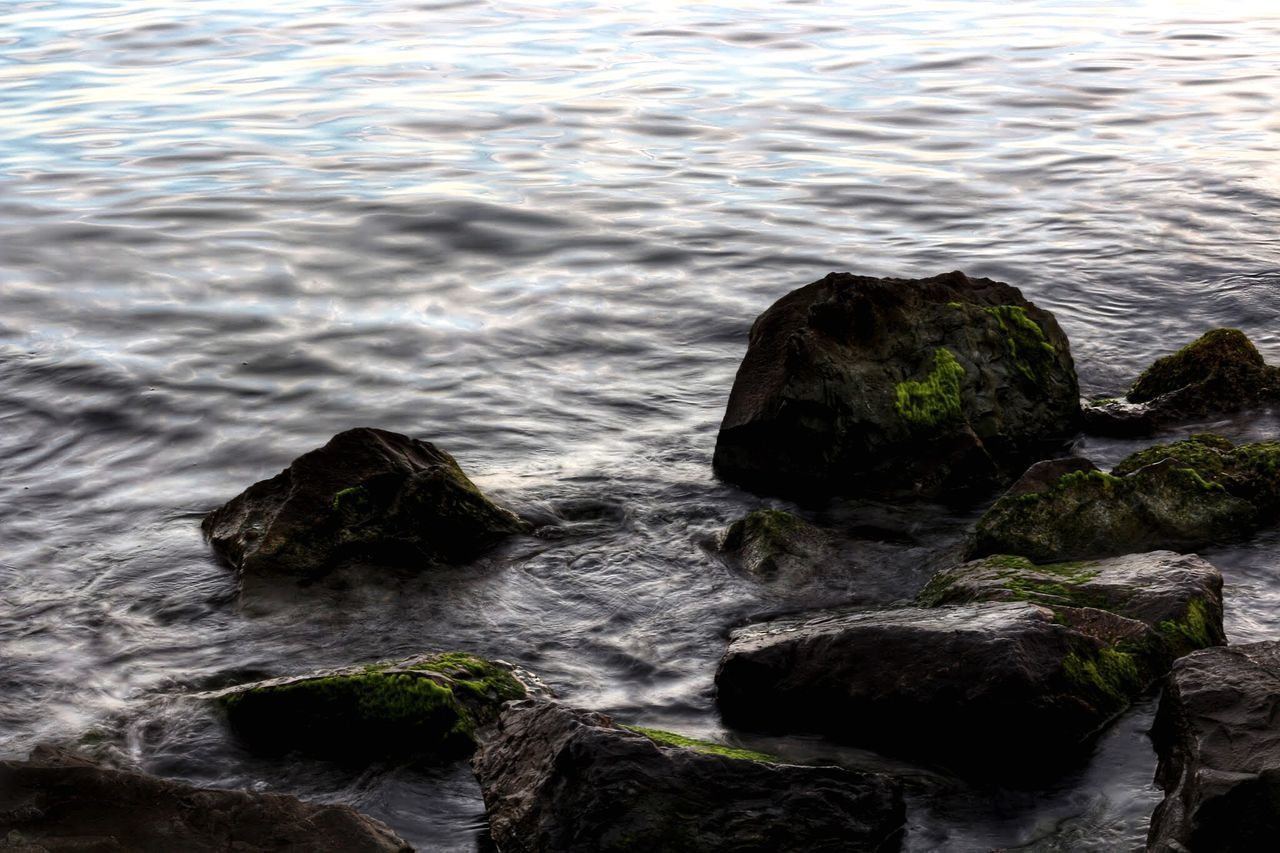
888, 386
1219, 748
1178, 595
556, 778
368, 494
1011, 690
58, 802
425, 708
1185, 495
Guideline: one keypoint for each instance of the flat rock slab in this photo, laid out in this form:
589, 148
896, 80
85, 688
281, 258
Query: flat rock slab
57, 802
1006, 689
367, 494
1177, 595
1218, 740
859, 385
425, 708
559, 779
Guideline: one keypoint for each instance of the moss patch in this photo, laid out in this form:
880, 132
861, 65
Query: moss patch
1031, 352
1197, 629
429, 709
936, 400
671, 739
1109, 674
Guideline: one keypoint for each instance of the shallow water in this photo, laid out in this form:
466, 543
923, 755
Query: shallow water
537, 234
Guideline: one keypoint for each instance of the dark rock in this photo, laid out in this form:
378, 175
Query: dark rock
572, 781
1186, 495
1178, 595
1219, 748
1221, 371
57, 802
1043, 475
425, 708
1010, 690
773, 545
368, 493
889, 386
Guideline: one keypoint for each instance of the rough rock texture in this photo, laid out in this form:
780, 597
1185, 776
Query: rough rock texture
1219, 749
1177, 595
773, 545
1184, 496
1043, 475
888, 386
57, 802
1006, 689
572, 781
368, 493
1117, 417
426, 708
1221, 371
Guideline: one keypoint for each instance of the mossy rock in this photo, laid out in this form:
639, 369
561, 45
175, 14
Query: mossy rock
773, 545
1181, 496
425, 708
368, 495
1178, 596
859, 385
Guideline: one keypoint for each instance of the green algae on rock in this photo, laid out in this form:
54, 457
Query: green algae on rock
1185, 495
666, 738
1177, 596
1221, 371
775, 545
367, 494
858, 385
556, 778
427, 708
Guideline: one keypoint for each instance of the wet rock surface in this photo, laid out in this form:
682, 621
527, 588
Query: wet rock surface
367, 494
1185, 495
58, 802
426, 708
777, 546
1219, 748
557, 778
1007, 689
1177, 595
889, 386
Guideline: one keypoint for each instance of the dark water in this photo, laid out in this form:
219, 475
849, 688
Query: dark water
536, 234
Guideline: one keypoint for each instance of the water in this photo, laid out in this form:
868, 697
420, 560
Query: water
537, 234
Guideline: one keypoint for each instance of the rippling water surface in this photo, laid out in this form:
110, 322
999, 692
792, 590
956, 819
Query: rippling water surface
537, 234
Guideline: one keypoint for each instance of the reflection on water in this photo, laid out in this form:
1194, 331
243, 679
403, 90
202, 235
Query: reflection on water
537, 233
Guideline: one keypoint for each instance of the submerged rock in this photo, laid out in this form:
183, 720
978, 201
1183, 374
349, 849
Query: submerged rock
426, 708
1185, 495
1006, 689
887, 386
368, 493
1177, 595
556, 778
1219, 748
58, 802
774, 545
1221, 371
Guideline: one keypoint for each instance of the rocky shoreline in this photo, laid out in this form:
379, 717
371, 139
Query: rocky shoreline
1076, 596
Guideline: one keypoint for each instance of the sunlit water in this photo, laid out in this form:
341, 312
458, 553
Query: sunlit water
537, 234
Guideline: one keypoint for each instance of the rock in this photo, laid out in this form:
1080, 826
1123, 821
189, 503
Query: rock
368, 493
1010, 690
425, 708
1186, 495
556, 778
1219, 748
1042, 476
1221, 371
773, 545
1117, 417
890, 386
1177, 595
57, 802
